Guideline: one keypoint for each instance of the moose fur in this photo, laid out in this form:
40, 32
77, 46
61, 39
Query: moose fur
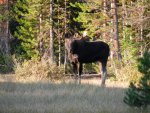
81, 51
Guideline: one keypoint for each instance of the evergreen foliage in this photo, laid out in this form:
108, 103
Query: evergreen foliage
90, 17
129, 46
60, 21
32, 21
6, 63
140, 95
26, 17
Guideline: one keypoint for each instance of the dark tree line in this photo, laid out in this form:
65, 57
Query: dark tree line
38, 27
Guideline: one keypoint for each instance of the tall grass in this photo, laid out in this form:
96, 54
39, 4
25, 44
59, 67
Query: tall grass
45, 97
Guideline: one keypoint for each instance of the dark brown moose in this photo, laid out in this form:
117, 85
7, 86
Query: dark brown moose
81, 51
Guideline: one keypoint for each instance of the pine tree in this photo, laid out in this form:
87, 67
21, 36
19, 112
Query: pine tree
33, 28
26, 16
140, 95
90, 17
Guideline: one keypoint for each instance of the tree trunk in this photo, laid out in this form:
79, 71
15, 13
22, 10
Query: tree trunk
124, 17
104, 25
4, 38
59, 62
141, 38
59, 40
6, 35
65, 53
40, 38
115, 30
141, 30
51, 33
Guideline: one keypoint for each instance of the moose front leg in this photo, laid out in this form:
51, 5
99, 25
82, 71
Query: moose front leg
75, 69
80, 71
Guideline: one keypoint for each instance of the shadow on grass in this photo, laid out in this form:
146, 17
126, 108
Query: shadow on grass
45, 97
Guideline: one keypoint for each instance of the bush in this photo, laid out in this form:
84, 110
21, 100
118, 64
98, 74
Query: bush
123, 72
6, 63
127, 73
39, 71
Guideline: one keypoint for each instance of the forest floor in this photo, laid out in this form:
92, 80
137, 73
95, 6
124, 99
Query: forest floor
31, 96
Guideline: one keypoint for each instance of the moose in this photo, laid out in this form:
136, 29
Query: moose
81, 51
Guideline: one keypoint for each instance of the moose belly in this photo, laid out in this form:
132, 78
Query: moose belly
89, 59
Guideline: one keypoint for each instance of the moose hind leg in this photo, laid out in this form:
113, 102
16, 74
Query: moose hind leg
80, 72
104, 73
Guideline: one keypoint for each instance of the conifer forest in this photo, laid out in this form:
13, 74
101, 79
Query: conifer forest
34, 57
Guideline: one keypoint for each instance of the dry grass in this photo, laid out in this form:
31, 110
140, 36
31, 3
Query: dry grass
33, 69
46, 97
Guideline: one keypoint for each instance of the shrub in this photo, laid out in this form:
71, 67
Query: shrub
6, 63
127, 73
124, 72
38, 70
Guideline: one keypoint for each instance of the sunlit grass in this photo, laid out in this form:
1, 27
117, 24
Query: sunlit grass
46, 97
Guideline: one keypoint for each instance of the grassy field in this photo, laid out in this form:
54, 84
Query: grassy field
46, 97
